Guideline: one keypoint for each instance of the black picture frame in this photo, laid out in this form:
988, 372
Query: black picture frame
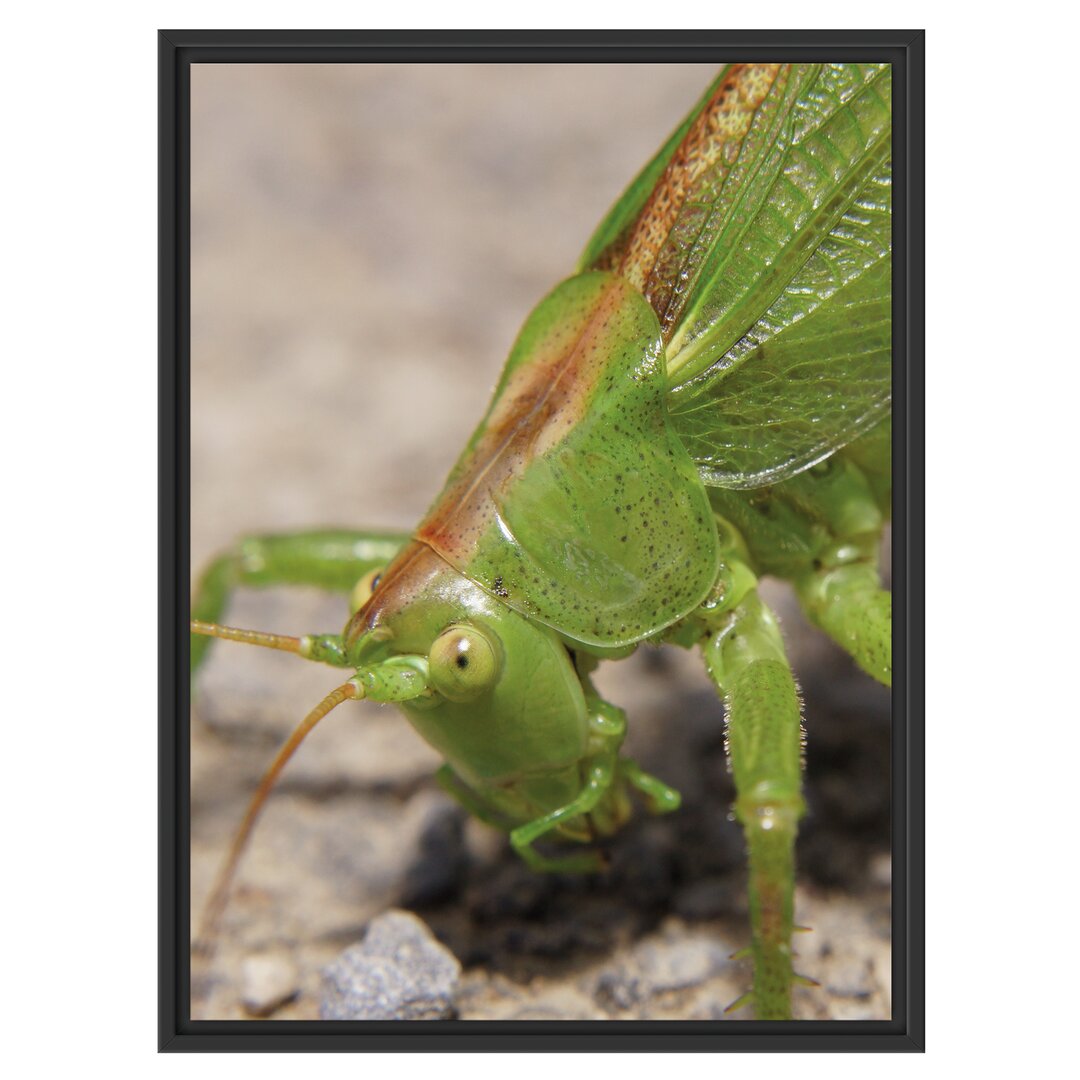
178, 50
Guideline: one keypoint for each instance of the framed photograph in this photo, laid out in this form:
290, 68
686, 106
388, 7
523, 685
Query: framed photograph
626, 735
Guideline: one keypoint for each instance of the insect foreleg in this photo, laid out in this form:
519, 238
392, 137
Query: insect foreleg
745, 658
600, 773
465, 797
331, 559
660, 798
845, 598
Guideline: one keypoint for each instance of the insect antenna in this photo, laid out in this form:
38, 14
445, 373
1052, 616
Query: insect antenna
248, 637
215, 906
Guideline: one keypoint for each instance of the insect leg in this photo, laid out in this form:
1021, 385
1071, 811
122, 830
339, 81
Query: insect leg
607, 730
465, 797
661, 799
600, 773
849, 604
745, 658
331, 559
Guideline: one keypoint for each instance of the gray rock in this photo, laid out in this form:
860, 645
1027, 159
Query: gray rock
268, 980
398, 972
850, 977
618, 990
681, 963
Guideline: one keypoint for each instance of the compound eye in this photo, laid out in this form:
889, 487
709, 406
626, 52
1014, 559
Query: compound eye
363, 589
463, 663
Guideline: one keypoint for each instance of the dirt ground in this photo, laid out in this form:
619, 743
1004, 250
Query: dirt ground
366, 241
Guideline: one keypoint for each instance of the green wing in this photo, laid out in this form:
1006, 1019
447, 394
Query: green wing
761, 236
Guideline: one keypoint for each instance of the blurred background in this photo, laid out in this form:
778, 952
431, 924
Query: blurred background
366, 242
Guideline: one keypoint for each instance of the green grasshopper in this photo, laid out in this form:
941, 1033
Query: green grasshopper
706, 401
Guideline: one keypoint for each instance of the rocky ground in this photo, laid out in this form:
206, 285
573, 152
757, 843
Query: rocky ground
366, 242
358, 827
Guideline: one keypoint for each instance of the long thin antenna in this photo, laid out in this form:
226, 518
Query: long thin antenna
215, 906
248, 637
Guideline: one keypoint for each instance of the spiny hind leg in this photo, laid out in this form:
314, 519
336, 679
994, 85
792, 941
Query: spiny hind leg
745, 658
330, 559
844, 597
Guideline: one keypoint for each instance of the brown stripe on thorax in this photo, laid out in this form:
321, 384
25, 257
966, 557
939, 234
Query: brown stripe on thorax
402, 581
538, 407
722, 123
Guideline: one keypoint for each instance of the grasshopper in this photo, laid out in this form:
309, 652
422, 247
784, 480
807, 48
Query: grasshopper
704, 402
